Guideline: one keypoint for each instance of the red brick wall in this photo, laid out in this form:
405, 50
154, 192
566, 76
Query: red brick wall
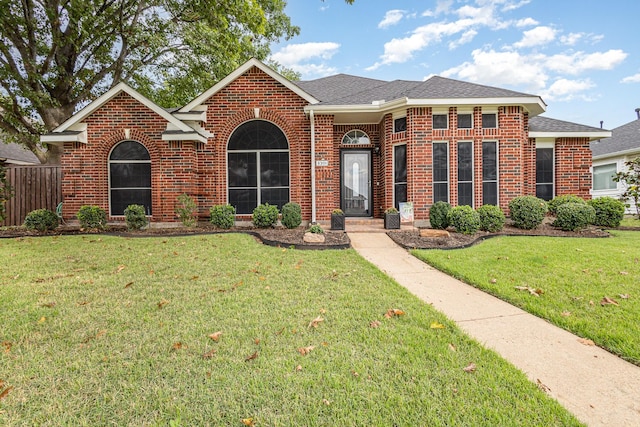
572, 163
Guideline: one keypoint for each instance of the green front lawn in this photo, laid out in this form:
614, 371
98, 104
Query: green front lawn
100, 330
573, 277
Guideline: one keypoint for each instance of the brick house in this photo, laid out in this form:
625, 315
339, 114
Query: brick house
347, 142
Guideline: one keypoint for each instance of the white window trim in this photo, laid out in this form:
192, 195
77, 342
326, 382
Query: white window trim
448, 181
393, 169
547, 144
497, 171
394, 118
446, 114
356, 132
593, 172
109, 162
473, 170
489, 113
465, 113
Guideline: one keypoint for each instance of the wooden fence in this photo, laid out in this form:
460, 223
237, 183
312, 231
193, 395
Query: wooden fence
34, 187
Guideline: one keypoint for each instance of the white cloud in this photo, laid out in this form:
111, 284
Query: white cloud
392, 17
631, 79
465, 38
572, 38
526, 22
307, 58
537, 36
566, 90
514, 5
580, 62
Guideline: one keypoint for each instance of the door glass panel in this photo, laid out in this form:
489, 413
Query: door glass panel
356, 183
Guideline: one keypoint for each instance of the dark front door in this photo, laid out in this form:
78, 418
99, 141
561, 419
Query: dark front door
355, 196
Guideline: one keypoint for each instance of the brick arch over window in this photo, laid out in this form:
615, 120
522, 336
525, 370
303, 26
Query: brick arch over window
105, 148
258, 167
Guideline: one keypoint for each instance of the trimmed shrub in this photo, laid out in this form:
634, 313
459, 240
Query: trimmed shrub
561, 200
265, 215
291, 215
41, 220
92, 217
316, 229
438, 215
574, 216
464, 219
527, 212
609, 211
134, 216
492, 218
187, 210
223, 216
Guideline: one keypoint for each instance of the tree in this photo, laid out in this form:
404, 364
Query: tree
631, 180
58, 55
6, 192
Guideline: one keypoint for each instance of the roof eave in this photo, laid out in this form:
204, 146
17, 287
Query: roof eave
591, 135
617, 153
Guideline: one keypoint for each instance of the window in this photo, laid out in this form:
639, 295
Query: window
399, 175
490, 173
465, 173
129, 177
440, 172
355, 137
258, 166
465, 121
544, 173
603, 177
440, 121
400, 124
490, 121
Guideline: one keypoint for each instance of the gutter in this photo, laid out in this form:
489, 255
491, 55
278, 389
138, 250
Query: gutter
313, 166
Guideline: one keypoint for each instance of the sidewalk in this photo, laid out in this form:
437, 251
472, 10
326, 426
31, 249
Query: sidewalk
598, 388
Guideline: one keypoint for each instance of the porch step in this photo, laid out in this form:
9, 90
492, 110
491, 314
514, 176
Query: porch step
365, 225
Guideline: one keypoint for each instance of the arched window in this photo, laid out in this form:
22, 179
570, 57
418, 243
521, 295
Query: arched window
129, 177
258, 166
354, 137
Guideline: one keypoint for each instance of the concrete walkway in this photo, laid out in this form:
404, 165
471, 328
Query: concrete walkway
598, 388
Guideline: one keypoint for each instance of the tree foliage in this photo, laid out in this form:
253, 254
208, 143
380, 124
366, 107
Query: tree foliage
631, 180
56, 56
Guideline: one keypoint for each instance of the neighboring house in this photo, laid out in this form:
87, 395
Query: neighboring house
347, 142
15, 154
609, 157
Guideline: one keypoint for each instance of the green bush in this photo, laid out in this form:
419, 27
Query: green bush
223, 216
609, 211
316, 229
492, 218
464, 219
291, 215
574, 216
92, 217
561, 200
41, 220
527, 212
187, 210
134, 216
265, 215
438, 215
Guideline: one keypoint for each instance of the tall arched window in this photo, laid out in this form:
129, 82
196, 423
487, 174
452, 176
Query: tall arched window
258, 166
129, 177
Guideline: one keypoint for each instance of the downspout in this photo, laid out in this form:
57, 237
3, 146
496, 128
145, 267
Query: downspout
313, 167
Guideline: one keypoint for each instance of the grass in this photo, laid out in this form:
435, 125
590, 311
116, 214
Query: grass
630, 221
100, 330
574, 275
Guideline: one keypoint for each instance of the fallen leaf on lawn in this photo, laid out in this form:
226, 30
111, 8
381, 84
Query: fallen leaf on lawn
576, 298
565, 314
5, 392
128, 285
578, 250
355, 374
393, 312
624, 273
216, 336
7, 348
315, 322
305, 350
120, 268
48, 304
452, 347
493, 281
248, 422
591, 302
607, 300
253, 356
471, 367
209, 354
624, 296
326, 402
533, 291
162, 303
375, 324
586, 341
298, 368
42, 319
542, 387
436, 325
177, 346
256, 341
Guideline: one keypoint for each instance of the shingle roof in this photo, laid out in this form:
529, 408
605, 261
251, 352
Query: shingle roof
344, 89
17, 153
547, 124
624, 138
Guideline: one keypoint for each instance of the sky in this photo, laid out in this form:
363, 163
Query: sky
581, 56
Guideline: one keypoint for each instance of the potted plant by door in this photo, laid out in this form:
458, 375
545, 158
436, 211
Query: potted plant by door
391, 219
337, 219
